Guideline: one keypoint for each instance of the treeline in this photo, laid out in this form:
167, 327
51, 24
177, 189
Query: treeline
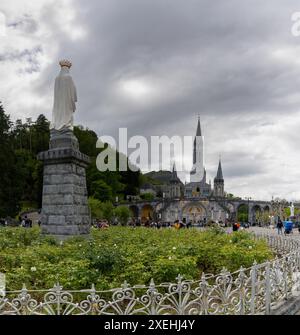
21, 174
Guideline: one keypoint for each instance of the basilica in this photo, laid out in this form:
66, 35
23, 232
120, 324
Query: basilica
170, 186
194, 201
166, 198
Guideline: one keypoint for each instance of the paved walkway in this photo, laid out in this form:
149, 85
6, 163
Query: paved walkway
273, 231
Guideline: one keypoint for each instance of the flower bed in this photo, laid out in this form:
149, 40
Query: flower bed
120, 254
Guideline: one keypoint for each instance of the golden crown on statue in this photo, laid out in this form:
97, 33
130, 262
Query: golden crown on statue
65, 62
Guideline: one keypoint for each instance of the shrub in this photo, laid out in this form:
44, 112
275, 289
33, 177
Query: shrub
109, 257
123, 214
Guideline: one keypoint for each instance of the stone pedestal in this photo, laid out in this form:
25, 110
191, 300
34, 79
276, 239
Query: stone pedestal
65, 210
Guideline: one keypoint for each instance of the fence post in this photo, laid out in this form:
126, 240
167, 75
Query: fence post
298, 270
253, 288
285, 277
268, 289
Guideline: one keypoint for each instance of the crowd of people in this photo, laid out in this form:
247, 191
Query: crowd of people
104, 224
101, 224
25, 222
236, 226
286, 227
3, 223
159, 224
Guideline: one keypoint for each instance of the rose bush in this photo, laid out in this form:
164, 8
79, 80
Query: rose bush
109, 257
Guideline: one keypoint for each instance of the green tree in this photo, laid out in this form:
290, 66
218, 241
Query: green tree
101, 191
87, 141
10, 190
147, 196
123, 214
22, 176
243, 213
230, 196
96, 208
40, 134
107, 211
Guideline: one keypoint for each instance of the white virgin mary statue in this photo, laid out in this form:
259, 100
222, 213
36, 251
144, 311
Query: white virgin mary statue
292, 209
65, 98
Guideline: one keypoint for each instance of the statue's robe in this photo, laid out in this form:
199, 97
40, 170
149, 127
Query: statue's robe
65, 98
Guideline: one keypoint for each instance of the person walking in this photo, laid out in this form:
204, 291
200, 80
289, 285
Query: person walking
27, 222
177, 225
279, 227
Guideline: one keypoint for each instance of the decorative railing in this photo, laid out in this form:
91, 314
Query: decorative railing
279, 243
256, 290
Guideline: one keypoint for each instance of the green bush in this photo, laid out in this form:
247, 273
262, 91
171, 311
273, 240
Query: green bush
147, 196
109, 257
123, 214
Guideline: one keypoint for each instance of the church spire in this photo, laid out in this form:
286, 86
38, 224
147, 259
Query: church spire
220, 172
197, 172
219, 182
174, 170
174, 177
199, 133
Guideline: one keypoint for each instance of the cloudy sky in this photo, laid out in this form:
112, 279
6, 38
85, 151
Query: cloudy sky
154, 65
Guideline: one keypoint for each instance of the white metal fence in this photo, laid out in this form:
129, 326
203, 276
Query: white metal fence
256, 290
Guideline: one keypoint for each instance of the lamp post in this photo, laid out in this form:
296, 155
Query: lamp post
248, 199
276, 210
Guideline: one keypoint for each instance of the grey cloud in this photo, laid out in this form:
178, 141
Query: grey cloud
215, 58
26, 24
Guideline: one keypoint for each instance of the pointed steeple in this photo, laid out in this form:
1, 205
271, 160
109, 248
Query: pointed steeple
198, 133
203, 181
197, 171
174, 177
174, 170
220, 172
219, 182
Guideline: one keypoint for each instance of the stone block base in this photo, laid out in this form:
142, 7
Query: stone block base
65, 210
